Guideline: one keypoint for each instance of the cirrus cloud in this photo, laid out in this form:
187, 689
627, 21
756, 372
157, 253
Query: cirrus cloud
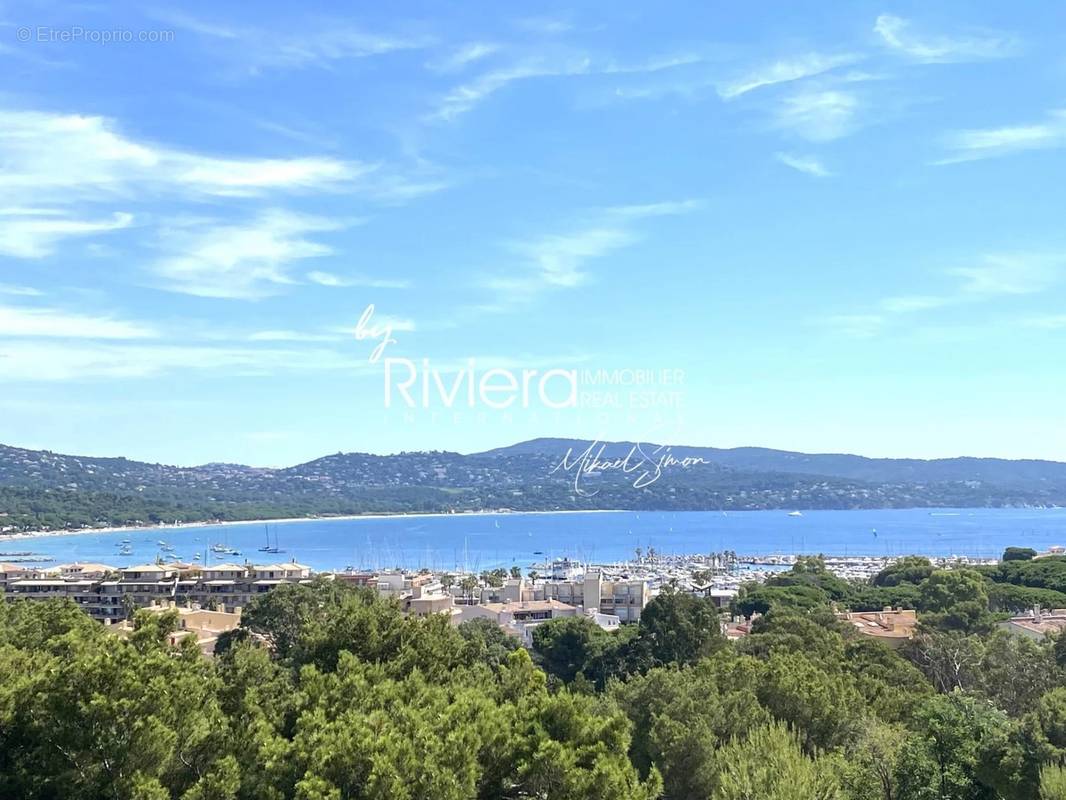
244, 261
898, 34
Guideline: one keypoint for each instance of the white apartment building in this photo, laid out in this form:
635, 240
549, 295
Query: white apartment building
107, 593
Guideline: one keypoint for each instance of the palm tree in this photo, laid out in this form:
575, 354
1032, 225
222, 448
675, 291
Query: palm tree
468, 584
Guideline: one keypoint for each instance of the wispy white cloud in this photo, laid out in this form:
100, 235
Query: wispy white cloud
819, 115
396, 189
35, 232
785, 71
335, 333
57, 155
292, 336
546, 26
905, 304
343, 281
247, 177
301, 46
1010, 273
646, 210
19, 291
651, 65
465, 97
561, 260
975, 144
320, 48
239, 261
49, 322
27, 360
465, 56
853, 326
899, 36
991, 277
1045, 322
808, 165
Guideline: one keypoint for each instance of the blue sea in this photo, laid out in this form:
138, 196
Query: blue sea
485, 541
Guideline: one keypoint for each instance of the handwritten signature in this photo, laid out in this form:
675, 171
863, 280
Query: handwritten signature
648, 467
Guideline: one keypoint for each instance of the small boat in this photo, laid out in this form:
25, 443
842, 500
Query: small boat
277, 544
795, 514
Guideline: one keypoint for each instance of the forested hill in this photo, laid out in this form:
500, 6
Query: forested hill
42, 489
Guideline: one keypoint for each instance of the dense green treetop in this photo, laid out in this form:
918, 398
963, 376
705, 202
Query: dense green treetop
331, 692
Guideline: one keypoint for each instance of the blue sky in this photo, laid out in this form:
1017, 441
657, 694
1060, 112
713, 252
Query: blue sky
844, 226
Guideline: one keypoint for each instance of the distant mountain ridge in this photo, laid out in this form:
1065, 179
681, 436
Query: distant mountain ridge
841, 465
40, 489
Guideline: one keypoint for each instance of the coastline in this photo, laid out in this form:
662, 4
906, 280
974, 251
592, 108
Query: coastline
21, 535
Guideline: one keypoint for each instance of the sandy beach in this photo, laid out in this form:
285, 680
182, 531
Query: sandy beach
10, 537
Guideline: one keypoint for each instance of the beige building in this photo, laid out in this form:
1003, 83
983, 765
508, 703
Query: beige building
893, 627
419, 593
404, 585
203, 624
84, 570
519, 618
1037, 624
433, 603
513, 590
623, 598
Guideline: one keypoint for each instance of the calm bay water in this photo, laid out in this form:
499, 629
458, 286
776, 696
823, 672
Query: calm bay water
487, 541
